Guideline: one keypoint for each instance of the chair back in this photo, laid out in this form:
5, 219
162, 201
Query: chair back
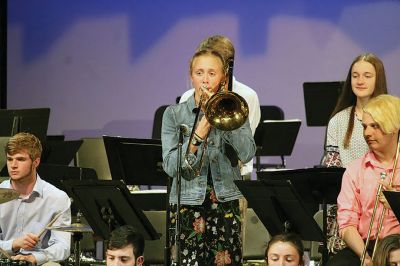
268, 112
157, 122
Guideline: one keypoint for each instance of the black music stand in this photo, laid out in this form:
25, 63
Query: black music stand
54, 174
139, 162
136, 161
276, 138
107, 204
280, 208
319, 185
34, 121
60, 151
320, 99
393, 198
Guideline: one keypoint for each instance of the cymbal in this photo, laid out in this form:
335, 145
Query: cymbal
73, 228
7, 194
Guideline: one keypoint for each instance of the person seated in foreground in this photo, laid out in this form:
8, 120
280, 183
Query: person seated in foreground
388, 251
125, 247
362, 179
25, 220
285, 249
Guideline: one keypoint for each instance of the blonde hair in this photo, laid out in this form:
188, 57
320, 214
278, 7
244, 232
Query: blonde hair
24, 141
208, 52
219, 43
385, 110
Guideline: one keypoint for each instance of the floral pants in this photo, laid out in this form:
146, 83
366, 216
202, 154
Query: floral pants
210, 233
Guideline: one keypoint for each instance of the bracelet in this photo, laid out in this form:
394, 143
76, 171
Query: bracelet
196, 142
198, 137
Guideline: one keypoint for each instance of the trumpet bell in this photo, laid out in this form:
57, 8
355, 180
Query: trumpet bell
226, 110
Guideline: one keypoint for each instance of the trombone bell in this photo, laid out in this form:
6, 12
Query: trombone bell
226, 110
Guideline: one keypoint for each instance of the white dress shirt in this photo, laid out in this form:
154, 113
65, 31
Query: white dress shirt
251, 98
31, 214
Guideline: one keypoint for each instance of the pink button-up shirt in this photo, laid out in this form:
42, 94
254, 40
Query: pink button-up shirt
357, 197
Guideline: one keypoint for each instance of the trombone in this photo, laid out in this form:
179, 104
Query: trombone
225, 110
382, 216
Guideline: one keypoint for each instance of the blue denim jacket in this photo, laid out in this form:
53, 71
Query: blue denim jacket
193, 188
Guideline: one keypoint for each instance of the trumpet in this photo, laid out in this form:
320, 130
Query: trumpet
384, 210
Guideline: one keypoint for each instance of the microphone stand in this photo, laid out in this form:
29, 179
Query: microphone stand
178, 182
178, 203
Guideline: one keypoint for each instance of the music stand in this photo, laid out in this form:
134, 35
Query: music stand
320, 99
393, 198
280, 208
136, 161
277, 138
54, 173
107, 204
34, 121
60, 151
319, 185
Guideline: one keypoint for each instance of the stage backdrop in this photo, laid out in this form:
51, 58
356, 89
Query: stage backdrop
103, 67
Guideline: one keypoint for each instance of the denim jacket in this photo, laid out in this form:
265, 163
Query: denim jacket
223, 170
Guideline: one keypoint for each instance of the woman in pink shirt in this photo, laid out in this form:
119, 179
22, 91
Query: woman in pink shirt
381, 124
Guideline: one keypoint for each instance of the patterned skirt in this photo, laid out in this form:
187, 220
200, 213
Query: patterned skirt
210, 233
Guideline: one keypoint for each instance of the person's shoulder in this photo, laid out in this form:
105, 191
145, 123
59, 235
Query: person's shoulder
343, 115
358, 164
242, 88
5, 184
186, 95
50, 189
177, 108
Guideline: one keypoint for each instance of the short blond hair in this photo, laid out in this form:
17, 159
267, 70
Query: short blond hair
24, 141
219, 43
385, 110
208, 52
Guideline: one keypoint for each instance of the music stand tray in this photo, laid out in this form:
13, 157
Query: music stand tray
280, 208
320, 99
319, 185
107, 204
278, 137
136, 161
